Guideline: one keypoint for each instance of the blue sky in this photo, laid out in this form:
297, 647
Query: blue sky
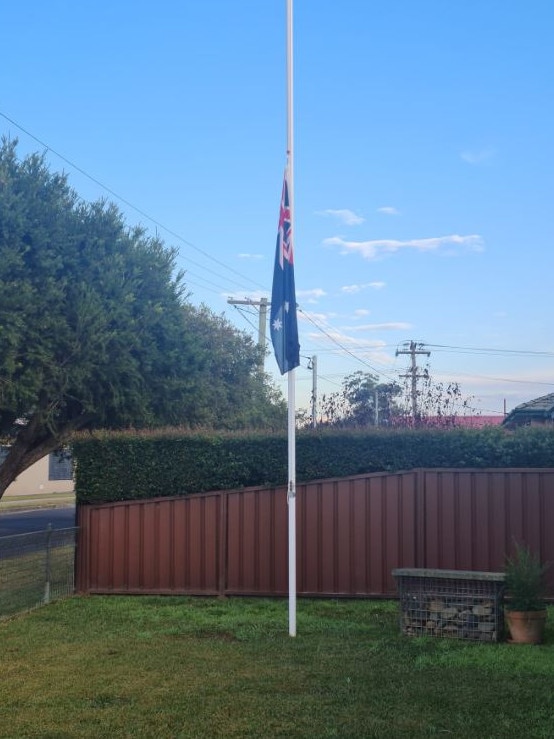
424, 165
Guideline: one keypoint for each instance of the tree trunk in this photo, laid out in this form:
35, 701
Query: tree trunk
22, 455
32, 443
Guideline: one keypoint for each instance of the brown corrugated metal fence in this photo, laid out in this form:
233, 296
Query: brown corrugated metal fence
351, 533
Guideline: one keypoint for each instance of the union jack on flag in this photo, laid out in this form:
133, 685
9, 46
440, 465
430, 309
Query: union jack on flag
283, 319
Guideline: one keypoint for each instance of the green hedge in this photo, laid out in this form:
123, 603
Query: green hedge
121, 466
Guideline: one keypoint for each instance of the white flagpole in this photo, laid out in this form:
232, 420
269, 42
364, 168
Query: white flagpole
291, 494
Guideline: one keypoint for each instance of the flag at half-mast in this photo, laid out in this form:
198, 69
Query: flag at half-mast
283, 320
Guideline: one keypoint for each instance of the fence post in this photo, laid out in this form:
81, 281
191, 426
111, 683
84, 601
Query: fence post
420, 519
222, 554
48, 572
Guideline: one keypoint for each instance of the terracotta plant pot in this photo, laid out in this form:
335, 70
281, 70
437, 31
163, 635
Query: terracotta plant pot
526, 627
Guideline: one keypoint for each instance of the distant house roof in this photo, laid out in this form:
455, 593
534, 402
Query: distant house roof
477, 422
473, 422
540, 410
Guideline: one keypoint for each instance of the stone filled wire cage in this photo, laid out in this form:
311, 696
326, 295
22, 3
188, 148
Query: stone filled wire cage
451, 603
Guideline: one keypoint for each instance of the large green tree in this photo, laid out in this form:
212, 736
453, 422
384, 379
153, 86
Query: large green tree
96, 329
235, 392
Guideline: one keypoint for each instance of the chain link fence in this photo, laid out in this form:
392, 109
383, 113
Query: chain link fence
36, 568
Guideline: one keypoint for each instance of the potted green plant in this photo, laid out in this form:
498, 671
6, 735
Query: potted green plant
525, 607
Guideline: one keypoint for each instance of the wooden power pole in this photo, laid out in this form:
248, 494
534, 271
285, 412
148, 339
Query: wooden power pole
413, 351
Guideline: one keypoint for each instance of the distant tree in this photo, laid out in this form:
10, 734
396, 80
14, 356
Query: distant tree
361, 402
438, 404
96, 330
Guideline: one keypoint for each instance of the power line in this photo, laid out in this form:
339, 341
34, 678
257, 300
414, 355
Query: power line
244, 314
327, 378
486, 350
497, 379
220, 288
140, 211
344, 348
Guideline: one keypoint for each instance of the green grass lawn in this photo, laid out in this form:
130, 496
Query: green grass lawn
195, 667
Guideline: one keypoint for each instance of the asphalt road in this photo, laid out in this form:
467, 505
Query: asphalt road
24, 522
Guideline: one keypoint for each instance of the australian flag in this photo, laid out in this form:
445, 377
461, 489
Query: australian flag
283, 321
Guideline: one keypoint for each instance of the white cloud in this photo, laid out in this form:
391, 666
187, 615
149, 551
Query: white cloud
373, 249
361, 312
311, 296
388, 210
341, 340
250, 256
352, 289
342, 343
391, 326
477, 156
348, 217
317, 317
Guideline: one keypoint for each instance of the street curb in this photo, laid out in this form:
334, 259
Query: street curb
33, 507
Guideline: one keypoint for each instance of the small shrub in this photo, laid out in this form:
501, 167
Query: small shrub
525, 580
